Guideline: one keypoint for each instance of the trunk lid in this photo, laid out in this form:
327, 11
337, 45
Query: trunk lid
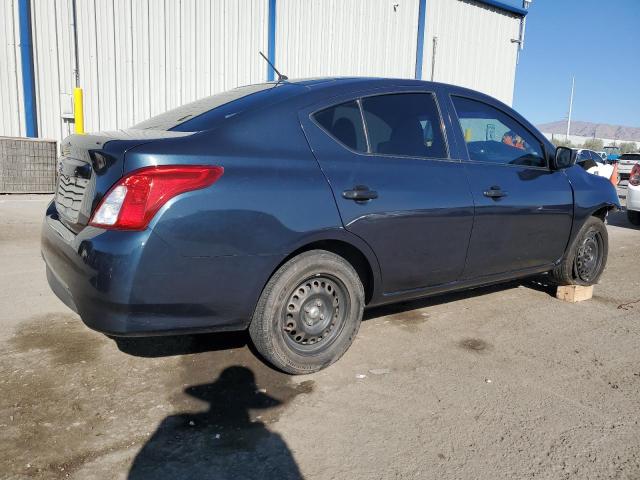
88, 167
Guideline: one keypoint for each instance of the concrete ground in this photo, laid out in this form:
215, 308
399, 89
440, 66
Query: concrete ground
501, 382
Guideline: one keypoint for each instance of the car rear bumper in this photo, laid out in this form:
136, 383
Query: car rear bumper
133, 283
624, 170
633, 197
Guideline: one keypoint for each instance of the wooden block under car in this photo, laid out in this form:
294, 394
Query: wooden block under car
574, 293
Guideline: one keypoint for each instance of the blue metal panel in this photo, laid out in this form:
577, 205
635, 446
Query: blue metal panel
505, 6
271, 54
28, 78
419, 47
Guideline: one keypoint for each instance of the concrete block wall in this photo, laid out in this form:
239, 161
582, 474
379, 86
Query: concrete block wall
27, 165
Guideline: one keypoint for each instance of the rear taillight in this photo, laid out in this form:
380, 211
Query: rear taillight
634, 176
132, 202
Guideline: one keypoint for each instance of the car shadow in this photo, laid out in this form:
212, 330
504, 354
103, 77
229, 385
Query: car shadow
619, 219
173, 345
539, 283
226, 440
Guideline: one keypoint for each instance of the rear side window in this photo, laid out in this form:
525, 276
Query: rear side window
493, 136
405, 124
344, 123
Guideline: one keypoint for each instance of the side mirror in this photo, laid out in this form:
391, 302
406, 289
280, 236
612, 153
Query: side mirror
565, 157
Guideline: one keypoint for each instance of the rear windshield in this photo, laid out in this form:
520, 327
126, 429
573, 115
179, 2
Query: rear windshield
193, 117
630, 156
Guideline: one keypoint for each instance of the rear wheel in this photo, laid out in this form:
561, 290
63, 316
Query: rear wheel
634, 217
308, 313
585, 260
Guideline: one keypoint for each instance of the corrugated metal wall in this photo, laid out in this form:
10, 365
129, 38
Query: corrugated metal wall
138, 58
474, 47
347, 37
53, 59
12, 108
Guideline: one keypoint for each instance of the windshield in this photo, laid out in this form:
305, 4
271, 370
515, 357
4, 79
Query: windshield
188, 118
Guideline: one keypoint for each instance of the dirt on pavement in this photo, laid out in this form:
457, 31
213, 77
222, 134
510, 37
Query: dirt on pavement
498, 382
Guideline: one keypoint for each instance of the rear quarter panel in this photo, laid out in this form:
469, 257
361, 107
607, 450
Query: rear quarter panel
272, 193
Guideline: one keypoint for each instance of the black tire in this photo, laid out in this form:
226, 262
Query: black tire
634, 217
309, 312
586, 259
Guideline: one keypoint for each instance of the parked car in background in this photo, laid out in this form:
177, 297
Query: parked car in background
287, 208
593, 163
603, 155
626, 161
613, 153
633, 195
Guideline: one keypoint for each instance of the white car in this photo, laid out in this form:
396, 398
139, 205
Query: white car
633, 195
626, 161
593, 163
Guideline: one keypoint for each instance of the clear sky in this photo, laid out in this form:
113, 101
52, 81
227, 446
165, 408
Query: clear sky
598, 41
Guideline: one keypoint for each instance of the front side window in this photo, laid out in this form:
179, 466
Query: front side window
344, 123
493, 136
405, 124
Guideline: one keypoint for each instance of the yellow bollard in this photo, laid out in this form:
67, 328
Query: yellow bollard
468, 135
78, 110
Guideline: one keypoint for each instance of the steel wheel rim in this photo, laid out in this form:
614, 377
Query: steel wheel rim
589, 256
314, 314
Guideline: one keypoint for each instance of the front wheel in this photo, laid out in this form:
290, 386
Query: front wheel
585, 260
309, 312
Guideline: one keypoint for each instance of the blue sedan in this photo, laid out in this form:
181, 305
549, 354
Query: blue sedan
286, 208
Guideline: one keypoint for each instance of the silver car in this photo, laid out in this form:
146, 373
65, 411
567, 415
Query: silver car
626, 161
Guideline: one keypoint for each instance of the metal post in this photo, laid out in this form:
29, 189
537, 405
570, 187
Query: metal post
573, 82
26, 61
76, 69
78, 100
433, 58
271, 52
420, 45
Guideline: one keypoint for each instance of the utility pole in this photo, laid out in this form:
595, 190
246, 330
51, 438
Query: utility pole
573, 82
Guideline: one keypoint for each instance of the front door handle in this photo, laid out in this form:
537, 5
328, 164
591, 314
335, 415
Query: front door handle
360, 193
495, 192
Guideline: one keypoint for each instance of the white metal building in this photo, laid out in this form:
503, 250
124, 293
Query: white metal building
137, 58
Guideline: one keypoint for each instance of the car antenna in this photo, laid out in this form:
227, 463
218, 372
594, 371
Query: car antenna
281, 77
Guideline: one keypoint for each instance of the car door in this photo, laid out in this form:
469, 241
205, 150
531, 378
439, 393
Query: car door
386, 158
523, 209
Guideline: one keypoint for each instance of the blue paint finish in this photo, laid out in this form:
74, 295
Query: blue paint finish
422, 11
521, 12
271, 53
26, 60
205, 258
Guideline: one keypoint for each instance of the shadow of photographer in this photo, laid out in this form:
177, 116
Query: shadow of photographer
222, 442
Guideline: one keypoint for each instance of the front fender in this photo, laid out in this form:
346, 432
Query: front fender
591, 194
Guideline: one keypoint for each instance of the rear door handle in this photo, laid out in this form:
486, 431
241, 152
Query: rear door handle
360, 193
495, 192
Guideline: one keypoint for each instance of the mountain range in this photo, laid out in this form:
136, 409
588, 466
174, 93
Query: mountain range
589, 129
